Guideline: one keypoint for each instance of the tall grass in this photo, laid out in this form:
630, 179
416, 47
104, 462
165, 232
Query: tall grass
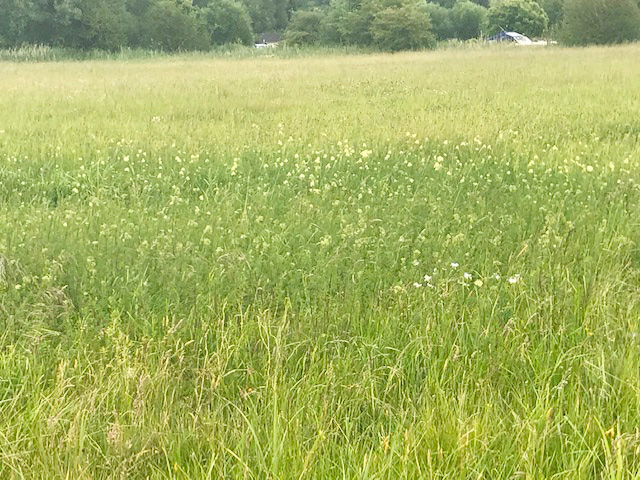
45, 53
383, 266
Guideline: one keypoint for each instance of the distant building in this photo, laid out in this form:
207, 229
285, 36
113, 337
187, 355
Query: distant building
268, 40
512, 37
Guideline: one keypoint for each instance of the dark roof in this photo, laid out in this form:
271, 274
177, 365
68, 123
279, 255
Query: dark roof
269, 37
506, 36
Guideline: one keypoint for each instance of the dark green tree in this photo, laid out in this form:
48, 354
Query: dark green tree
522, 16
172, 25
98, 24
469, 20
405, 27
14, 17
227, 21
357, 23
554, 11
304, 28
280, 14
263, 14
600, 21
48, 21
332, 28
441, 24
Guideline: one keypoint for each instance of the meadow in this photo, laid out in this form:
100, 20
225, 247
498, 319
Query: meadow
420, 265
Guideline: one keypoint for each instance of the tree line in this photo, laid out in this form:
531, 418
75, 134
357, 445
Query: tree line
383, 24
409, 24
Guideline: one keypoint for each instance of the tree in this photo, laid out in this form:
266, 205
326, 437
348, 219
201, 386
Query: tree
441, 24
47, 21
554, 11
281, 14
357, 23
600, 21
522, 16
227, 21
332, 28
304, 28
402, 28
98, 24
14, 16
263, 13
172, 25
469, 20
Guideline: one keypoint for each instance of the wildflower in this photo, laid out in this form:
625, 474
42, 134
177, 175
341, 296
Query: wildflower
467, 276
454, 265
427, 278
515, 279
478, 283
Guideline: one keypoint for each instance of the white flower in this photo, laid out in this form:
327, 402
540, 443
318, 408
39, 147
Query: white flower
467, 276
478, 283
427, 278
515, 279
454, 265
417, 285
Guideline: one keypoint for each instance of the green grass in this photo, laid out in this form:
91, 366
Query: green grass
246, 268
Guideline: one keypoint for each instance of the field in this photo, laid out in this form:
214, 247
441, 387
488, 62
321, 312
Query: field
418, 265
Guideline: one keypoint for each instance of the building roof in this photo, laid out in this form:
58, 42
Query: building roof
268, 37
510, 36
